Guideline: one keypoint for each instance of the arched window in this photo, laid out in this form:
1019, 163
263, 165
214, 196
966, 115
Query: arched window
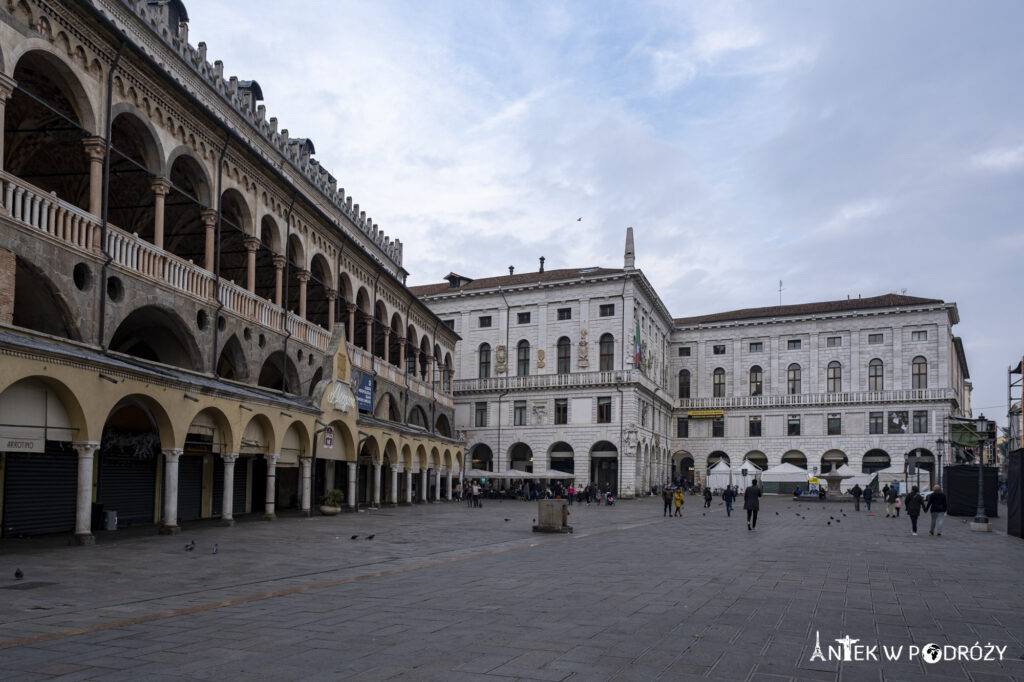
523, 357
564, 346
485, 360
793, 379
919, 372
835, 377
756, 380
607, 352
718, 383
876, 375
684, 383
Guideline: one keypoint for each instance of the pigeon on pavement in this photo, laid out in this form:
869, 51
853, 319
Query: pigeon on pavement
354, 537
190, 546
18, 575
216, 548
370, 537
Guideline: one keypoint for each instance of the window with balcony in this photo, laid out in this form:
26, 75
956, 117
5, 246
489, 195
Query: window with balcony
756, 380
919, 373
682, 428
606, 310
793, 344
756, 346
754, 427
561, 410
484, 361
519, 413
523, 358
876, 375
523, 318
718, 383
484, 321
834, 342
834, 377
876, 423
564, 349
604, 410
480, 414
835, 424
564, 313
793, 379
793, 425
684, 383
875, 339
718, 349
684, 351
607, 353
718, 428
920, 421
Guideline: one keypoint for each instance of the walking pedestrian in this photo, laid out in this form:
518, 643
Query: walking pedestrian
728, 496
890, 501
868, 493
677, 497
936, 504
570, 492
707, 498
666, 497
751, 503
914, 503
856, 492
476, 494
897, 504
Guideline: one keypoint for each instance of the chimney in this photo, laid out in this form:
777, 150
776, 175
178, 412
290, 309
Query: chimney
629, 260
542, 263
511, 269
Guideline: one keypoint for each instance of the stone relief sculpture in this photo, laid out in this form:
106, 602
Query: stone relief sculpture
630, 440
500, 360
540, 412
582, 355
540, 357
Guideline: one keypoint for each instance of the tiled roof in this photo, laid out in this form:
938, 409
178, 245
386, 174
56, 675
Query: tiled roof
514, 280
884, 301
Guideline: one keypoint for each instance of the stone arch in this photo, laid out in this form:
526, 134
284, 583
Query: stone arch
232, 364
442, 426
380, 327
343, 439
716, 457
796, 458
135, 158
222, 439
157, 334
683, 464
435, 458
420, 459
23, 392
235, 227
270, 234
187, 200
520, 457
407, 458
562, 457
481, 457
155, 160
833, 459
604, 465
258, 436
321, 281
70, 85
200, 187
279, 373
417, 417
875, 460
157, 416
387, 408
39, 305
757, 458
395, 349
295, 441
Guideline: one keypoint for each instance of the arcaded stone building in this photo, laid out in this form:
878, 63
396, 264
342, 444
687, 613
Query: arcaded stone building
195, 320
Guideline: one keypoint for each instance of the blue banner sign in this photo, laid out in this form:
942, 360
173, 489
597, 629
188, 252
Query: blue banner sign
364, 393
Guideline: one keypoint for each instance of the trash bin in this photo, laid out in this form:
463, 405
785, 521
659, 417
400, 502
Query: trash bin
96, 522
110, 520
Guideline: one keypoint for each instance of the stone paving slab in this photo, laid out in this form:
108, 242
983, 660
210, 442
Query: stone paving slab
446, 592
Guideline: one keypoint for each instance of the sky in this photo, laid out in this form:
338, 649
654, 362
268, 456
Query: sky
844, 148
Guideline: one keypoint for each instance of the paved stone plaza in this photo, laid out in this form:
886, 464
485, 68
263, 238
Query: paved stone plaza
445, 592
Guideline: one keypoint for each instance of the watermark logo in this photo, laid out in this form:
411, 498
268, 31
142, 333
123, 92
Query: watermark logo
848, 650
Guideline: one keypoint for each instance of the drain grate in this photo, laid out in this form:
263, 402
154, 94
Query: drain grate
26, 586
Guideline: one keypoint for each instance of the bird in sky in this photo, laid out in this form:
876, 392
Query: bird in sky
579, 219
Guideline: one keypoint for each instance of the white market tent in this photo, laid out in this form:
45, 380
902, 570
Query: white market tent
893, 475
719, 476
752, 469
784, 473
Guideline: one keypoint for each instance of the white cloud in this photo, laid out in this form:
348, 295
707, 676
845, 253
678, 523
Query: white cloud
1000, 159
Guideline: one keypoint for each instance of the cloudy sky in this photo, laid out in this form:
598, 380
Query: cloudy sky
845, 148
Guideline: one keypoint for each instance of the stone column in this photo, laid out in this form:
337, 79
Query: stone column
332, 297
160, 186
437, 485
252, 245
303, 277
351, 466
268, 510
95, 149
423, 485
7, 85
351, 331
376, 484
408, 486
393, 490
279, 262
170, 520
209, 217
401, 352
369, 333
305, 491
83, 512
227, 513
387, 343
449, 493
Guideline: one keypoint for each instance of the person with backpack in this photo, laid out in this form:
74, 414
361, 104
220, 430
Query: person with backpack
914, 503
728, 496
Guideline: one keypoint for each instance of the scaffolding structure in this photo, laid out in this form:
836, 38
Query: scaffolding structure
1015, 406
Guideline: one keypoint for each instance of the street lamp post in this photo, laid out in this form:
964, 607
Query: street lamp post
980, 519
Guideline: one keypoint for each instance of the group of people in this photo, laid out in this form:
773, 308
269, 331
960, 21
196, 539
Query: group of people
473, 491
751, 501
935, 504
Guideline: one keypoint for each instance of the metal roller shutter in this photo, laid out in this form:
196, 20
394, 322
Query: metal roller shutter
40, 491
241, 485
190, 487
127, 485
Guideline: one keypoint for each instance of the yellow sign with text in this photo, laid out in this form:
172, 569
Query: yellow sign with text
705, 414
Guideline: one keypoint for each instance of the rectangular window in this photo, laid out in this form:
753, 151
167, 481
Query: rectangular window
793, 344
484, 321
919, 336
875, 339
754, 427
684, 351
481, 414
834, 341
875, 423
519, 413
899, 422
561, 410
604, 410
565, 313
793, 425
719, 350
718, 428
756, 346
450, 324
920, 421
835, 425
607, 310
682, 428
523, 318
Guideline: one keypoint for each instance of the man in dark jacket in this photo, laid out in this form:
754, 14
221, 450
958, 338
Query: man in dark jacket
856, 492
751, 503
666, 496
868, 493
728, 496
707, 498
913, 503
936, 504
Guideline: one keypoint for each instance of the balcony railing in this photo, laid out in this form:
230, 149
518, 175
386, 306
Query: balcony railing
844, 398
368, 363
79, 230
538, 381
